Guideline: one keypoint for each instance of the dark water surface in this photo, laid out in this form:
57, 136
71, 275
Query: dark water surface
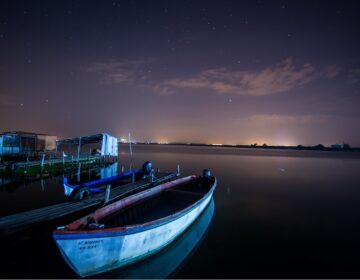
276, 214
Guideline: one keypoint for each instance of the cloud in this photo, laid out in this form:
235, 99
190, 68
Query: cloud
282, 77
119, 71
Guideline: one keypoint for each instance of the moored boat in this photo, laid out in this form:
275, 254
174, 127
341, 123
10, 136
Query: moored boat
135, 227
75, 190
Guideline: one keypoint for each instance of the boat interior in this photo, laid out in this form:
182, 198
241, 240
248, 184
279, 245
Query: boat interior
162, 205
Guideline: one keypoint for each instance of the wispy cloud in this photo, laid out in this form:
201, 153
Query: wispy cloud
119, 71
282, 77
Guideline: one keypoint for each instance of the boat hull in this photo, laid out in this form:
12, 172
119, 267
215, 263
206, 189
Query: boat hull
89, 254
165, 263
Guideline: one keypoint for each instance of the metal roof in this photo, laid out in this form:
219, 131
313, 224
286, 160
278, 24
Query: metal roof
23, 133
84, 139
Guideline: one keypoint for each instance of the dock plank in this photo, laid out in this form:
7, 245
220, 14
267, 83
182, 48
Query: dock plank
25, 220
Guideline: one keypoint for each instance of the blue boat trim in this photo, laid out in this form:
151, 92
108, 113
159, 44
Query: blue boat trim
94, 186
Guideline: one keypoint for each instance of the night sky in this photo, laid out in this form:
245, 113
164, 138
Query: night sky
233, 72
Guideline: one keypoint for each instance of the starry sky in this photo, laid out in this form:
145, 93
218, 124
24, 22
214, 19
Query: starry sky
232, 72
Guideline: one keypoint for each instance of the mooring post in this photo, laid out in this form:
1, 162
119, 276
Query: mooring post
178, 170
42, 162
133, 177
158, 170
152, 176
42, 183
78, 173
79, 148
131, 155
107, 194
122, 168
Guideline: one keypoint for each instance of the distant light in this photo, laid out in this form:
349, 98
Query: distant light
216, 144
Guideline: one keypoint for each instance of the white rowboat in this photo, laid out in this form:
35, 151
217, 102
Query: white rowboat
135, 227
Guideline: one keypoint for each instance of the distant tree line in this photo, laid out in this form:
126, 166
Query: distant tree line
318, 147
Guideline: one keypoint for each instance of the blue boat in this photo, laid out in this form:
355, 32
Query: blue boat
81, 190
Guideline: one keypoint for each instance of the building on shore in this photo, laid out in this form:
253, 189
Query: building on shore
342, 146
102, 144
21, 143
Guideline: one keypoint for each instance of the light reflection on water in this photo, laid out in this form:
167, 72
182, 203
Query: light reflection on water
278, 213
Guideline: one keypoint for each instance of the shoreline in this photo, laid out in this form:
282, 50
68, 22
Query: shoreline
293, 148
248, 151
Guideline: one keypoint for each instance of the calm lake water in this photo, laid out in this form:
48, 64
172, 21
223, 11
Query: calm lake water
275, 214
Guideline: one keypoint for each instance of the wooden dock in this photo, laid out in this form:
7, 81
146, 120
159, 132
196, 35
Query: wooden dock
25, 220
58, 165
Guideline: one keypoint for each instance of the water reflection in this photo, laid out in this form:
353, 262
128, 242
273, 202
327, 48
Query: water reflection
168, 261
18, 194
290, 214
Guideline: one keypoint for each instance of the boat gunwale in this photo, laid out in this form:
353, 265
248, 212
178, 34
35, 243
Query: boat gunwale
127, 230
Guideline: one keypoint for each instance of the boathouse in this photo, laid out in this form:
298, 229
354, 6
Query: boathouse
102, 144
21, 143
